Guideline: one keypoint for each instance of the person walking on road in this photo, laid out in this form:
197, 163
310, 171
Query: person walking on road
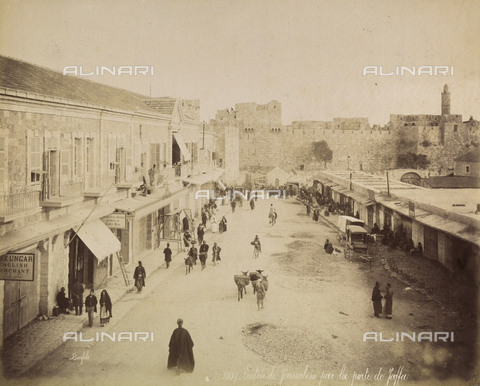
193, 253
257, 247
272, 215
105, 308
77, 291
252, 203
377, 300
388, 302
233, 204
168, 255
139, 275
200, 233
214, 224
260, 294
91, 306
187, 239
180, 355
204, 254
216, 253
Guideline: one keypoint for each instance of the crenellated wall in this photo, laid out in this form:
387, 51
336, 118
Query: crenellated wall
264, 141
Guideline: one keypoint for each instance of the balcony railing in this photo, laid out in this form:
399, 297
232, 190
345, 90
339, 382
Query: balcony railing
63, 189
18, 201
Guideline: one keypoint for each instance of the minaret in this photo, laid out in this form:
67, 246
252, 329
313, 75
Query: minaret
445, 101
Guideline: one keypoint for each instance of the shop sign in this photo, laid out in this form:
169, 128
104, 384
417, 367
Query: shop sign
17, 266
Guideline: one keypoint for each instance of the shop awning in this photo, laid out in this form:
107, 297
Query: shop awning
99, 239
140, 206
16, 240
330, 184
204, 178
198, 180
182, 146
462, 231
344, 191
365, 201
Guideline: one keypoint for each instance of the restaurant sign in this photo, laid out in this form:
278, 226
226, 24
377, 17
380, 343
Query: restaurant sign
17, 266
115, 220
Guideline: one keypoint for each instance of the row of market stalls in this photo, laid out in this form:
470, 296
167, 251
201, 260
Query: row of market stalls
447, 223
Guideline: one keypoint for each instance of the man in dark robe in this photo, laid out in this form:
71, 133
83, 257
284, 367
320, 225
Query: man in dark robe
77, 291
186, 225
139, 275
181, 350
200, 233
168, 255
223, 224
203, 254
377, 300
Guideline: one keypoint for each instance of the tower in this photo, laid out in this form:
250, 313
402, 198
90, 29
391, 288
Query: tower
445, 101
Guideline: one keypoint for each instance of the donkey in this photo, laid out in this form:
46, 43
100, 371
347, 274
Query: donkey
188, 264
241, 281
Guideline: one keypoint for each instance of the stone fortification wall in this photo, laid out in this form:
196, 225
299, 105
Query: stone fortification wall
290, 148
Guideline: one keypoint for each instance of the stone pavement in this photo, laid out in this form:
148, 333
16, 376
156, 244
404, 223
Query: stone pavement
26, 347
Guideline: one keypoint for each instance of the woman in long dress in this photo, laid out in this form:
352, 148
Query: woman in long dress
223, 222
388, 302
214, 224
105, 308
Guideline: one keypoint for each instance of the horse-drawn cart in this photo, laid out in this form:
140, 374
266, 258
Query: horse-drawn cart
356, 246
343, 223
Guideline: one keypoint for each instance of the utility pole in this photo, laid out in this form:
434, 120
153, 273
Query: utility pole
388, 186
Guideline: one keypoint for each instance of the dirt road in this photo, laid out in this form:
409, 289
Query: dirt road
310, 331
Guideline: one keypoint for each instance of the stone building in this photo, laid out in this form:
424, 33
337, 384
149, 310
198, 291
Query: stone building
468, 164
78, 186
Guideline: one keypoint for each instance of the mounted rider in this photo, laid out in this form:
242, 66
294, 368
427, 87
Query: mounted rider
273, 213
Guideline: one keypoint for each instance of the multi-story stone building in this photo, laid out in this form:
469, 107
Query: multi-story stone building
88, 171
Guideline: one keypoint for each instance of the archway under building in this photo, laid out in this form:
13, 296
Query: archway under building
411, 178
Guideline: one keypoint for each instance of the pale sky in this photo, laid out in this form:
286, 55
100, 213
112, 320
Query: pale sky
308, 55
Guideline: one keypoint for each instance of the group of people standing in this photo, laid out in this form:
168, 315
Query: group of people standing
377, 298
77, 290
193, 254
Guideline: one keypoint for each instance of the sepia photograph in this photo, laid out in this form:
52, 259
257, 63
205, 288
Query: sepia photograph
239, 192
